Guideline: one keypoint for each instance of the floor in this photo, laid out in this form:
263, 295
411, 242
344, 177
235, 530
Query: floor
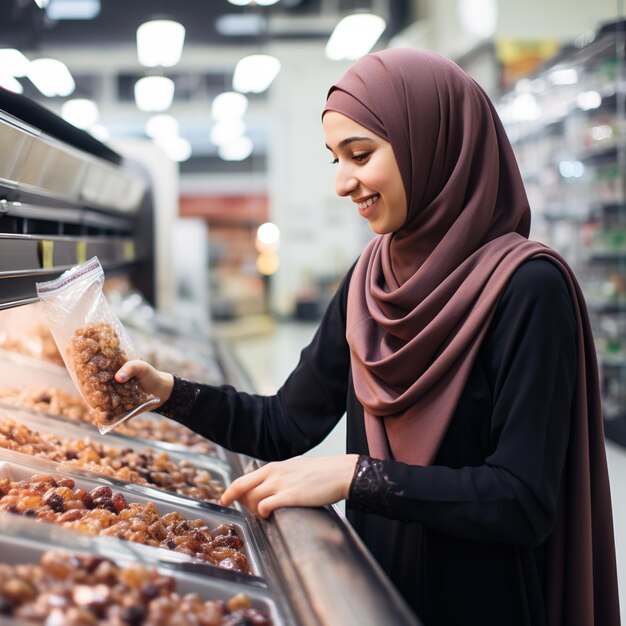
270, 355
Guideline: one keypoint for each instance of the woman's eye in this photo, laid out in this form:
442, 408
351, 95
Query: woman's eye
359, 158
334, 162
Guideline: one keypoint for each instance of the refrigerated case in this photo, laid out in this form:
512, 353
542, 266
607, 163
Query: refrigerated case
567, 125
65, 197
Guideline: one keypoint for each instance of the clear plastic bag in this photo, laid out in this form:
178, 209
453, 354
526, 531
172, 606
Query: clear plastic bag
93, 343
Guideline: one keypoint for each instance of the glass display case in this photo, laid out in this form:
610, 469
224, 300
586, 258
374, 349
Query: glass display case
567, 125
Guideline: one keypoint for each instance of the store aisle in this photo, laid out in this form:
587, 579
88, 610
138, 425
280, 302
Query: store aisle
269, 358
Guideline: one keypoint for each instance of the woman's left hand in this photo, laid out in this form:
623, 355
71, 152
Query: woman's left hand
300, 481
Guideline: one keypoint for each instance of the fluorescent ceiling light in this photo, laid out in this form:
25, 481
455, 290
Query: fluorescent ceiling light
226, 131
51, 77
261, 3
478, 17
73, 9
11, 83
42, 4
568, 76
237, 150
354, 36
588, 100
160, 42
240, 24
80, 112
13, 62
100, 132
268, 234
229, 105
162, 125
177, 148
154, 93
255, 73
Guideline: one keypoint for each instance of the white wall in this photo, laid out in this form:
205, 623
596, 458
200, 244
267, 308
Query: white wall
321, 234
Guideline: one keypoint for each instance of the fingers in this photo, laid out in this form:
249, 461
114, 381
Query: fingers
242, 485
131, 369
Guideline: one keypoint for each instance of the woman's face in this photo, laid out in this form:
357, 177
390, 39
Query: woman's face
367, 172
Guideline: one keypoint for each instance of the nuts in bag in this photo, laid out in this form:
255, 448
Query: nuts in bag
93, 342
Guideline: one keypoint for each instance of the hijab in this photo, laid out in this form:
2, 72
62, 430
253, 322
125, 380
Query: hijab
421, 299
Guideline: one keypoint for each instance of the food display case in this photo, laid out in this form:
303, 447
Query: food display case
567, 125
136, 510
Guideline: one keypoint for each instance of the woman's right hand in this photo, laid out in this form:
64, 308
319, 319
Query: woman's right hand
150, 379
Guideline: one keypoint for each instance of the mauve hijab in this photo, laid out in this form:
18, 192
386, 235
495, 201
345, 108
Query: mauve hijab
421, 300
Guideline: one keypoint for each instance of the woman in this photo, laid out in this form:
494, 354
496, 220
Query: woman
461, 352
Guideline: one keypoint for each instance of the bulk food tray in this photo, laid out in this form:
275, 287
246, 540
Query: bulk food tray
219, 470
27, 548
19, 371
17, 470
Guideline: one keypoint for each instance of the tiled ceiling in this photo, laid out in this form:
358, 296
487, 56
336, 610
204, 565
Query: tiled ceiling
25, 26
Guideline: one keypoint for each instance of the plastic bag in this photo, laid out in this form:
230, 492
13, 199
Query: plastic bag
93, 343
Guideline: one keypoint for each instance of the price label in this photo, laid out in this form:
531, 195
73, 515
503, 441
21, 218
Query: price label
129, 250
46, 254
81, 252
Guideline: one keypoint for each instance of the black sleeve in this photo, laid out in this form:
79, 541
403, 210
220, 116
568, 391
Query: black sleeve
530, 356
303, 411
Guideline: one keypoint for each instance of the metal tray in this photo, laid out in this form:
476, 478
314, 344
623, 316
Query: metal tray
17, 370
16, 548
42, 424
16, 470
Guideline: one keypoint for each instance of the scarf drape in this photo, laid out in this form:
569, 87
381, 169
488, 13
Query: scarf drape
421, 300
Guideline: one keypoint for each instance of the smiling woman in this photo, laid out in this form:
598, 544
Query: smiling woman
367, 172
460, 352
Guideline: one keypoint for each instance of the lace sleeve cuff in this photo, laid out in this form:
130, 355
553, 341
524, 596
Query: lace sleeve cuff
180, 402
371, 488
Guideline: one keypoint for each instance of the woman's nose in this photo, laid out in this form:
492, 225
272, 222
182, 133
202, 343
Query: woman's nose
345, 183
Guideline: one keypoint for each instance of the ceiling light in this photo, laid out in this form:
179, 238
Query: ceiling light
177, 148
11, 83
100, 132
255, 73
478, 17
154, 93
267, 237
160, 42
162, 125
265, 3
226, 131
51, 77
73, 9
568, 76
228, 105
354, 36
80, 112
42, 4
240, 24
237, 150
588, 100
13, 62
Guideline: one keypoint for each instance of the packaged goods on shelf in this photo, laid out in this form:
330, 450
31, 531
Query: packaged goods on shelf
571, 149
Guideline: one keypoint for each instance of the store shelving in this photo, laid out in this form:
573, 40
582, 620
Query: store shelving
567, 125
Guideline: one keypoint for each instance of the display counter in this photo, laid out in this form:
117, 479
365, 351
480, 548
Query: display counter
136, 508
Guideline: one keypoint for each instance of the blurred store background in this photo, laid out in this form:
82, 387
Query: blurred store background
246, 238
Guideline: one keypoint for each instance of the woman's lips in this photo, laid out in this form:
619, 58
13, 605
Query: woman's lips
367, 208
